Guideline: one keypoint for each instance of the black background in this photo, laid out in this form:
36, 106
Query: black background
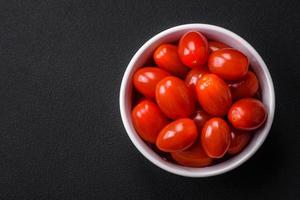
61, 64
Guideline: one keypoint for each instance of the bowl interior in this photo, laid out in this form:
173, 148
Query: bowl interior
212, 33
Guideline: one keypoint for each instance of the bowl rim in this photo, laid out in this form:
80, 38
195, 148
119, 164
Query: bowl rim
186, 172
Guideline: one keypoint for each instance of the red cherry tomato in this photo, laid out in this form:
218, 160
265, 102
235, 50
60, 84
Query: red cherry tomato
215, 137
239, 139
247, 114
247, 87
166, 57
148, 120
193, 76
174, 98
193, 49
229, 64
213, 95
214, 46
194, 156
200, 118
146, 79
177, 136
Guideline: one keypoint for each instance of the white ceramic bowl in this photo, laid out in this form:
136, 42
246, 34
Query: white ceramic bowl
213, 33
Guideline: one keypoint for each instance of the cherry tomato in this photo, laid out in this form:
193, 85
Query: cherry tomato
247, 114
193, 49
148, 120
214, 46
239, 139
194, 156
215, 137
247, 87
166, 57
177, 136
146, 79
229, 64
193, 76
174, 98
213, 95
200, 118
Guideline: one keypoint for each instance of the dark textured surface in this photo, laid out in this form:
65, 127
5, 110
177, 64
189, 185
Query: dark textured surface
61, 64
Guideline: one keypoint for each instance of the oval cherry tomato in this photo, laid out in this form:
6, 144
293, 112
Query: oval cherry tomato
215, 137
247, 87
146, 79
193, 49
239, 139
200, 118
194, 156
247, 114
148, 120
193, 76
214, 46
174, 98
213, 95
166, 57
229, 64
177, 136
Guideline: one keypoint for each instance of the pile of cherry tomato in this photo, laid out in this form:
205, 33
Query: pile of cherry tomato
200, 102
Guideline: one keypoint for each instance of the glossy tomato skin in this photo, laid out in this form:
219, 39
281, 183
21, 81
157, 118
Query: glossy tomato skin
215, 137
177, 136
200, 118
174, 98
247, 114
145, 80
166, 57
194, 156
239, 140
230, 64
193, 49
246, 87
214, 46
213, 95
148, 120
193, 76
